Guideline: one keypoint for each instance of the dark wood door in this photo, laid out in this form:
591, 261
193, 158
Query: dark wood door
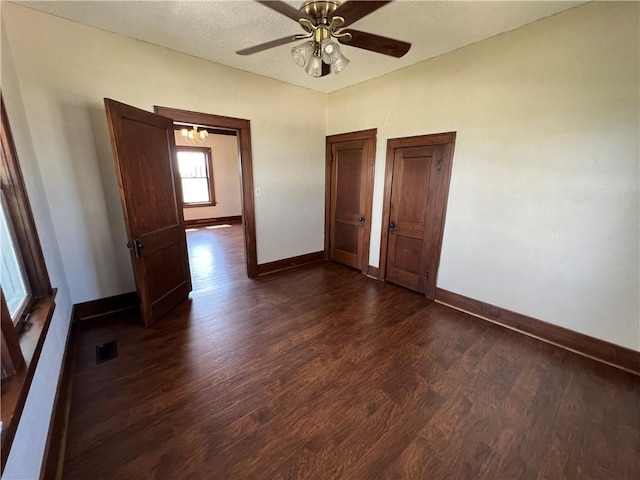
351, 184
144, 152
416, 192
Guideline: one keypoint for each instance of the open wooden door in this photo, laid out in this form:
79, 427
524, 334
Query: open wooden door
144, 152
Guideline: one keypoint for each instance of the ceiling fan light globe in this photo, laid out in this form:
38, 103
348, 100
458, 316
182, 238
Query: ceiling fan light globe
297, 57
339, 64
330, 50
302, 53
314, 67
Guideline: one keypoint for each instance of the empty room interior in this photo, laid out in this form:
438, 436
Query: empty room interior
321, 239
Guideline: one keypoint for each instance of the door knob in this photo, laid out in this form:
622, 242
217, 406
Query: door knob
135, 246
392, 225
361, 218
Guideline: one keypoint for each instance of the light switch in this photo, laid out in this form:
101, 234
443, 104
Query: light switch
258, 192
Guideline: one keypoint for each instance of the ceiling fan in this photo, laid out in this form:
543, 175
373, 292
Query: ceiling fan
324, 23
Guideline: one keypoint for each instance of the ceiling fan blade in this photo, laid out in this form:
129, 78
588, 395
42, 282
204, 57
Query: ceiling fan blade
284, 9
355, 10
267, 45
376, 43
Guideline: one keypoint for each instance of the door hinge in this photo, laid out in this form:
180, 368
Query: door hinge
439, 164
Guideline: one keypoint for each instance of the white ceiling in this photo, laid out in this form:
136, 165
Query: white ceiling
215, 29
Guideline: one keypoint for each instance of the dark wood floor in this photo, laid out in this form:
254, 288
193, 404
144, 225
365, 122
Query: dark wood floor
216, 255
324, 373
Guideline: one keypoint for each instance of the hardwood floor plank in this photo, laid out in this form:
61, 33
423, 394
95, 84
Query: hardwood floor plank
324, 373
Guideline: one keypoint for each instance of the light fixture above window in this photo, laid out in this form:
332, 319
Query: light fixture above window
194, 135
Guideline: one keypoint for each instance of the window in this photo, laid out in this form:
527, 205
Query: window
12, 277
196, 173
27, 300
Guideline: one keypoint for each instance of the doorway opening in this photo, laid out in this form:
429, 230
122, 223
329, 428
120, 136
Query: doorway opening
205, 236
211, 203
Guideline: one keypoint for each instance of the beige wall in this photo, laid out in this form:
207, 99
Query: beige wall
28, 447
226, 177
65, 69
543, 209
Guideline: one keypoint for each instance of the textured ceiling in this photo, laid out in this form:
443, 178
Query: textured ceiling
215, 29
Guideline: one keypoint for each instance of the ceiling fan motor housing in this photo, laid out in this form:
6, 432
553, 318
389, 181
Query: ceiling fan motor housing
320, 11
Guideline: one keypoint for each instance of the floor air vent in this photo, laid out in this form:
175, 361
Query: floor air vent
106, 351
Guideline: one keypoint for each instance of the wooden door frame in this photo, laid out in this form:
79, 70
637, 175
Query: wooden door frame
442, 194
242, 128
370, 134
